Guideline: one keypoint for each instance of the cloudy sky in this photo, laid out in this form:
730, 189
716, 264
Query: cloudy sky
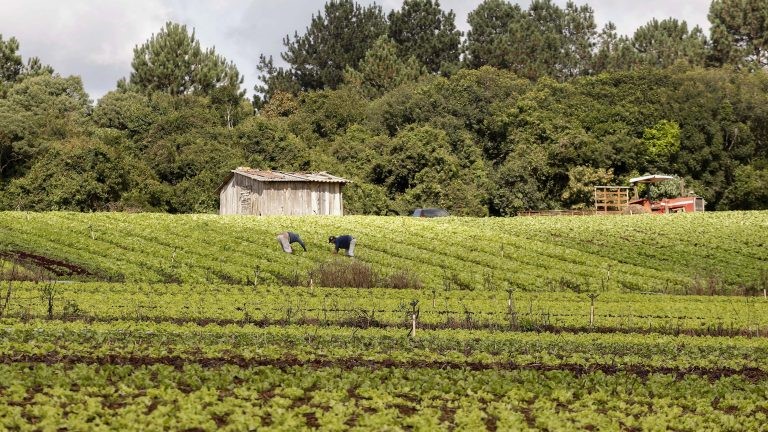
95, 38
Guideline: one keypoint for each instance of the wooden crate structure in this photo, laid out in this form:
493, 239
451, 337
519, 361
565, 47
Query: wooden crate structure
611, 199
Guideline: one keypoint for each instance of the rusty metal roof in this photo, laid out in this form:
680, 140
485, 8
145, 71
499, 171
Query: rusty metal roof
280, 176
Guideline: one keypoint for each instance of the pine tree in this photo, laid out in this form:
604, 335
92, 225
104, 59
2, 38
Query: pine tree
382, 70
423, 30
12, 68
614, 52
662, 43
173, 62
739, 32
488, 40
11, 64
338, 38
544, 40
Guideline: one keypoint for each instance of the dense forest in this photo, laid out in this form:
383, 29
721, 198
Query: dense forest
528, 109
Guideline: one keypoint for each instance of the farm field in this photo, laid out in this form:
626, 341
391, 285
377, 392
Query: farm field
198, 322
674, 254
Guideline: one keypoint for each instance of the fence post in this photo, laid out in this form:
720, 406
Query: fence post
414, 316
592, 297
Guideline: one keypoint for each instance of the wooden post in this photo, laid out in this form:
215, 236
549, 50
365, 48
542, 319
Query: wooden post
414, 316
325, 311
592, 297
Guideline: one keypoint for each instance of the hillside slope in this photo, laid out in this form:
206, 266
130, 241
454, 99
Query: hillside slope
674, 253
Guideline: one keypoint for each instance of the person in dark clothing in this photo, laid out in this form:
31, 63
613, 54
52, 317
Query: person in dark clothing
286, 238
346, 242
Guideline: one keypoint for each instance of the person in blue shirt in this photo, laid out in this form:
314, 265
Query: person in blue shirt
346, 242
286, 238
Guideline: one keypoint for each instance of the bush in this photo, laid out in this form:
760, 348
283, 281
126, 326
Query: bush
342, 273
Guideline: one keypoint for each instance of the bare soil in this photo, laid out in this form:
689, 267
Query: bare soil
51, 265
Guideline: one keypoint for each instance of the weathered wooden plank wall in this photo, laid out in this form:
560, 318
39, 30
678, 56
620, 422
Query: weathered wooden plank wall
244, 195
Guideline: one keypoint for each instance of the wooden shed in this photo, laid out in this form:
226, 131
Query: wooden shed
248, 191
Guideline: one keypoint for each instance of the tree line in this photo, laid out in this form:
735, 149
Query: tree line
527, 110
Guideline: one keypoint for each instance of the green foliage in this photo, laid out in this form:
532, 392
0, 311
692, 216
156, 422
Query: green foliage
580, 192
666, 189
173, 62
381, 70
178, 115
662, 43
522, 182
563, 96
129, 112
336, 39
269, 145
613, 52
364, 198
414, 155
749, 190
76, 175
662, 140
464, 379
280, 104
357, 150
544, 40
35, 111
12, 67
11, 64
490, 34
739, 32
329, 112
274, 80
424, 31
244, 356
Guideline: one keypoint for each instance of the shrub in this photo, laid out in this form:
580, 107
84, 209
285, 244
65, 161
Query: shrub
342, 273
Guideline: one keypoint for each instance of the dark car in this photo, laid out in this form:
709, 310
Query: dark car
430, 212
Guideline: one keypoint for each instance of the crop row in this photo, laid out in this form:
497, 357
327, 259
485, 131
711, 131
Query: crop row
643, 253
67, 342
232, 398
543, 311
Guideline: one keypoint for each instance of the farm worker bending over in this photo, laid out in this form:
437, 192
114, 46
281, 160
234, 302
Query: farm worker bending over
286, 238
346, 242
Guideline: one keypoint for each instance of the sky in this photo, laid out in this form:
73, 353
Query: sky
95, 38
